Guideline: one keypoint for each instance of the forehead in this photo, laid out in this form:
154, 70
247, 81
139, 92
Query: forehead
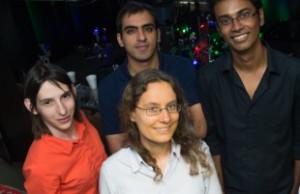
50, 90
158, 92
137, 19
231, 7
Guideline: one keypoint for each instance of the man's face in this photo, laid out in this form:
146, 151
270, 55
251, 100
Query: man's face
56, 106
239, 23
139, 36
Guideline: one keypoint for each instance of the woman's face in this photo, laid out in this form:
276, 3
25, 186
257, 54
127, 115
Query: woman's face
158, 128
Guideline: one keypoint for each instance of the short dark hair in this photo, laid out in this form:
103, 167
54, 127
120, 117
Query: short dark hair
257, 4
36, 76
133, 7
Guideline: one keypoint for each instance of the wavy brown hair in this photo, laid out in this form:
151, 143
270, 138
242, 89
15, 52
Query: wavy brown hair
184, 136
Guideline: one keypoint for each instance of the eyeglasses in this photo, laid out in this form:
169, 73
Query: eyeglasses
241, 17
153, 111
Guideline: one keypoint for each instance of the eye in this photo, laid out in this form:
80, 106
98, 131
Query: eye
172, 107
46, 102
130, 30
225, 21
66, 95
153, 109
244, 15
149, 28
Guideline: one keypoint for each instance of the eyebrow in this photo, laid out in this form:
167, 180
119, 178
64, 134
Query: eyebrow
47, 99
156, 104
136, 27
240, 11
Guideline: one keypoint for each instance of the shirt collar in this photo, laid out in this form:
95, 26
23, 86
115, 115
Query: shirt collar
137, 162
62, 145
272, 65
125, 72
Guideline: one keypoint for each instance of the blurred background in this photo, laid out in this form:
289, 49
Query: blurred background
80, 36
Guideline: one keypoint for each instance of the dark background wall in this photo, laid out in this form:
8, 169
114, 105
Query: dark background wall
65, 26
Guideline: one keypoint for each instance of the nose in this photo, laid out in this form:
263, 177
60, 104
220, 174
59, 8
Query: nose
141, 35
61, 108
236, 25
164, 115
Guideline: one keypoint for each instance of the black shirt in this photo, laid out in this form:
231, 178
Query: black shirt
258, 139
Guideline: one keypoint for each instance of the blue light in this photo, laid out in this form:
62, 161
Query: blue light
211, 23
195, 62
96, 31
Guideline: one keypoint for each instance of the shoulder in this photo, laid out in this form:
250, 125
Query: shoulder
173, 58
110, 79
278, 57
111, 87
120, 158
39, 154
284, 64
174, 61
217, 66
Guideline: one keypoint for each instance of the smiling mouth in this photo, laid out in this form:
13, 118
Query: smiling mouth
163, 129
240, 38
64, 120
142, 47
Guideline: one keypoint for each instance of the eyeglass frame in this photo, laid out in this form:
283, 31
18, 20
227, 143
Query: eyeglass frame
239, 18
159, 110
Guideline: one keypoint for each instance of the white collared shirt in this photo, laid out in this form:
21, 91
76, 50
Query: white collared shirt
125, 172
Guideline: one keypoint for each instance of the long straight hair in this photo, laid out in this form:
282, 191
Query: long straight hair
36, 76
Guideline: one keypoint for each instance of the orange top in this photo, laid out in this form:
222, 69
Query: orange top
56, 165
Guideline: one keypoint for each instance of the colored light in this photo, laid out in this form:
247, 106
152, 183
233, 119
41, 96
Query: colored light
96, 31
195, 62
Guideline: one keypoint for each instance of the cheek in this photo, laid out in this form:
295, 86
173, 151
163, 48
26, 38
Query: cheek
144, 121
46, 113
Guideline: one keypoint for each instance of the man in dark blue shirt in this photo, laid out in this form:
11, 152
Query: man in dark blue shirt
251, 100
139, 36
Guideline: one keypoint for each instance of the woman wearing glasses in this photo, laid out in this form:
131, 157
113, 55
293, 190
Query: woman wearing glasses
163, 155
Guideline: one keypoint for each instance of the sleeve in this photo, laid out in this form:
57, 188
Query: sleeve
204, 90
296, 116
213, 184
108, 107
188, 83
37, 181
106, 185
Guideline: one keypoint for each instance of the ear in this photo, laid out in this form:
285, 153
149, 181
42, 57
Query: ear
219, 30
132, 116
74, 90
261, 16
158, 35
28, 105
120, 41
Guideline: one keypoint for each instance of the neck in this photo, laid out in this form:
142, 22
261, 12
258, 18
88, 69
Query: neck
161, 153
251, 60
69, 134
135, 66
